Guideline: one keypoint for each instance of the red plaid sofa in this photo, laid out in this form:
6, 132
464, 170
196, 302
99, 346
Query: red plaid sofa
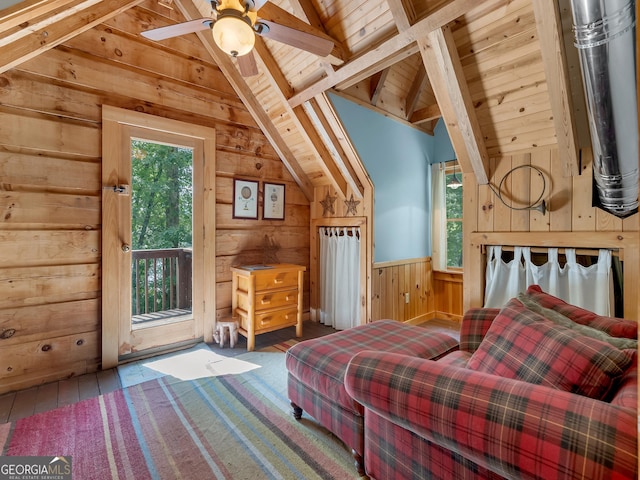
442, 419
316, 370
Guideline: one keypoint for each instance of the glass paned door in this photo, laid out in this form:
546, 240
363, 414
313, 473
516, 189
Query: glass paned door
158, 234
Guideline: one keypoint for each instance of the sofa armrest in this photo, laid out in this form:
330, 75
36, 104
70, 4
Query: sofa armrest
475, 323
513, 428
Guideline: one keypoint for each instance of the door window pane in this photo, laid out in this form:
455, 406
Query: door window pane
161, 231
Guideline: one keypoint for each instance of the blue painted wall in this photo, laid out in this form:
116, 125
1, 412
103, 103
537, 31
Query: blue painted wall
443, 151
398, 158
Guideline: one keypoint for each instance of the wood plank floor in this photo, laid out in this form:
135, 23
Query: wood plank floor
20, 404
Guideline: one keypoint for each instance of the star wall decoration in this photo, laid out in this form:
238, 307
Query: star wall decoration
351, 205
327, 205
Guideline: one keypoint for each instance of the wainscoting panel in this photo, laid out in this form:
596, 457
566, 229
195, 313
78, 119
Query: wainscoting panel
403, 290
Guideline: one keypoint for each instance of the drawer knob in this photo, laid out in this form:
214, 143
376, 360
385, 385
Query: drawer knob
265, 301
278, 280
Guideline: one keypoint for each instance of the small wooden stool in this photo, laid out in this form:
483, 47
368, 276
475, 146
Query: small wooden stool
224, 330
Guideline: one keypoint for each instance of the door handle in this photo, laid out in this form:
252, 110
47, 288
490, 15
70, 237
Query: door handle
126, 247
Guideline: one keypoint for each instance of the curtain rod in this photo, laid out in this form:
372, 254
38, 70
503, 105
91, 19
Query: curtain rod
561, 250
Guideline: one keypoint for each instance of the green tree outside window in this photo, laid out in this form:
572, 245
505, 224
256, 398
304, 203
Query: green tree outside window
161, 206
453, 201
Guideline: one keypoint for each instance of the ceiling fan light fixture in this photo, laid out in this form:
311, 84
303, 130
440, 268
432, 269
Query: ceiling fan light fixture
233, 33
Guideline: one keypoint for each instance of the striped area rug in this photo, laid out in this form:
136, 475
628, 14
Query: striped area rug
223, 427
280, 347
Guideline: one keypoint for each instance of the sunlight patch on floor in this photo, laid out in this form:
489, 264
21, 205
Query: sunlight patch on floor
189, 365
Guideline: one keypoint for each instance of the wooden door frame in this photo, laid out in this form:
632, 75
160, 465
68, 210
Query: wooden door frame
117, 124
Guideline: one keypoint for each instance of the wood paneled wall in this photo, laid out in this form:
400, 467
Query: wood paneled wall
447, 294
411, 291
403, 290
50, 189
570, 211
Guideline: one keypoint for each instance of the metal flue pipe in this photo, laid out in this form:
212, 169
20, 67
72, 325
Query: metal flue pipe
605, 36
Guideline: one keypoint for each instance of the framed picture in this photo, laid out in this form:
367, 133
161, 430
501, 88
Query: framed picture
245, 199
273, 201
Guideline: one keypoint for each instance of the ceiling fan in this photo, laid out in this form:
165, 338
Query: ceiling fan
235, 23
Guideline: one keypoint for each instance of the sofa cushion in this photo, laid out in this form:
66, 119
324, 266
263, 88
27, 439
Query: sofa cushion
625, 394
523, 345
320, 363
456, 359
559, 319
616, 327
475, 323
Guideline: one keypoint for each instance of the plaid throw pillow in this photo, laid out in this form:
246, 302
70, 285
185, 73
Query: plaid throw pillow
559, 319
523, 345
616, 327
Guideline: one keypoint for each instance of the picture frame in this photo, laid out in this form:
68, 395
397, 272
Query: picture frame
245, 199
273, 204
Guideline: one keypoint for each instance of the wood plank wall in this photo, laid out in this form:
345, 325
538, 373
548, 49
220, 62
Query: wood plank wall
403, 290
448, 295
50, 162
432, 294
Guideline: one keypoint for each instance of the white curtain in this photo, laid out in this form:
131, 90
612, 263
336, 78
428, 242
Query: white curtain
587, 287
340, 277
439, 217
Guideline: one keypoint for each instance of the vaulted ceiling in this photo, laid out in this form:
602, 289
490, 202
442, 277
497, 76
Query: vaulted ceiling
497, 72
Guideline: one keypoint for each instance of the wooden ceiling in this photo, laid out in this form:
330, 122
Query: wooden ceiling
496, 71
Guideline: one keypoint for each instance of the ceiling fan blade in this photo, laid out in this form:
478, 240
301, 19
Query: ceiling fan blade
289, 29
171, 31
296, 38
247, 65
258, 4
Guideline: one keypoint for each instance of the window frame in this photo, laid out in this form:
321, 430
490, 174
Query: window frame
449, 168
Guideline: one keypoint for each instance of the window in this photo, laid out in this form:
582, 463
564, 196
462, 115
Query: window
453, 204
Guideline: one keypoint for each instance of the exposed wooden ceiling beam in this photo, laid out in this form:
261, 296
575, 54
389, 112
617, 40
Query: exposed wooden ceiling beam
417, 87
28, 11
270, 65
430, 126
426, 114
305, 9
443, 66
399, 13
224, 62
354, 165
393, 50
331, 169
17, 47
377, 84
368, 70
549, 27
379, 110
303, 123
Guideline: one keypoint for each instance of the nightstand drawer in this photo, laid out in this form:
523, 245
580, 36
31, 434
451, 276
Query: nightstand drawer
272, 319
273, 280
269, 300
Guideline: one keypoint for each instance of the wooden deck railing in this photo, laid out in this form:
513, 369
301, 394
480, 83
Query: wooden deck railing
160, 280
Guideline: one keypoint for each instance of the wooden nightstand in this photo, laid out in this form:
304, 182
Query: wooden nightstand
267, 298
